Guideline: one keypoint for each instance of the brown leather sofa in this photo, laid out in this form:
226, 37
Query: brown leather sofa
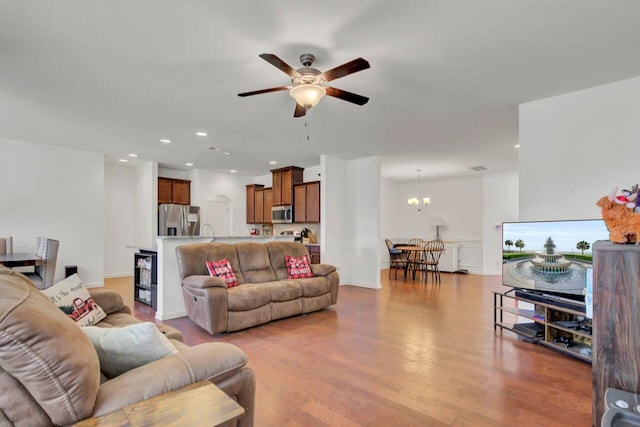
50, 372
264, 292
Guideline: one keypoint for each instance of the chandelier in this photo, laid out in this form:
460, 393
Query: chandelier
419, 202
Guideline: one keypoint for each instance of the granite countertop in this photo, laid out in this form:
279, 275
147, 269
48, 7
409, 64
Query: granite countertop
216, 237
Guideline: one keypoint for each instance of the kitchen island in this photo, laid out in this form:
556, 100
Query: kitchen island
170, 302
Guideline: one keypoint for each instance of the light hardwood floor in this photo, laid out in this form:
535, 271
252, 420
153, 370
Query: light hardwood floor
409, 354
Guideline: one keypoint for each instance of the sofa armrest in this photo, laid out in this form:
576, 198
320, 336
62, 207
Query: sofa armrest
214, 361
203, 281
110, 301
322, 269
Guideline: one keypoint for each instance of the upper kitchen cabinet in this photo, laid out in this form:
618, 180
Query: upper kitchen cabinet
252, 189
174, 191
267, 196
283, 181
307, 202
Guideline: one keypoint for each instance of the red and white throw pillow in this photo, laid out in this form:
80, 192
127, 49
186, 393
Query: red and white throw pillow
223, 270
298, 267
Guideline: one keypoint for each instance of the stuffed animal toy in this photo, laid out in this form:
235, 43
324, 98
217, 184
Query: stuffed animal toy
626, 197
623, 223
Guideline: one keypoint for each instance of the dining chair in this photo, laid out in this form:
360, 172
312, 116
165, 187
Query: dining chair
415, 258
432, 251
397, 258
43, 276
6, 245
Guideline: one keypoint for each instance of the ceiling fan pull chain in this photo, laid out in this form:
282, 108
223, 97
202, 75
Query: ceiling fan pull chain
306, 122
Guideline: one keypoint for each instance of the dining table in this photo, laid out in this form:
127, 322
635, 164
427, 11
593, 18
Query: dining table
409, 248
20, 259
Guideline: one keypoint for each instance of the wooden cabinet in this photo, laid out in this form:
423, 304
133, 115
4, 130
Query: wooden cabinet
259, 204
251, 201
616, 321
174, 191
267, 196
283, 180
307, 202
314, 254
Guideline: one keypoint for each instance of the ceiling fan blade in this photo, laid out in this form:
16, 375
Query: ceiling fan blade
346, 96
300, 111
351, 67
279, 63
258, 92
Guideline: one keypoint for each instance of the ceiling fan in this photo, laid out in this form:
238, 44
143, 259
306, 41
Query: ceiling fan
307, 84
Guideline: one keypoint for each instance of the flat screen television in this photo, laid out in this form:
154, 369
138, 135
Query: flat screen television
552, 257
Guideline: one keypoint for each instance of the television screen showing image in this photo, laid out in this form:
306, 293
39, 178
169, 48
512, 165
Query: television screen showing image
550, 256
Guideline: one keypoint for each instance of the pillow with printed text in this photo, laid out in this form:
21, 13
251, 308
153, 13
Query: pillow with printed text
298, 267
223, 270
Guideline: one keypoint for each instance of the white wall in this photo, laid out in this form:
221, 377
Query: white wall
333, 214
119, 215
500, 204
363, 222
145, 202
575, 148
56, 193
209, 185
470, 206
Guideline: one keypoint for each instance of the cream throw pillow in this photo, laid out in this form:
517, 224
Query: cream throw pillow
126, 348
74, 300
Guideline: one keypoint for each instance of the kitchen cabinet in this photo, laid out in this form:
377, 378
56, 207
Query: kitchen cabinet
283, 180
307, 202
314, 253
267, 203
174, 191
251, 202
259, 206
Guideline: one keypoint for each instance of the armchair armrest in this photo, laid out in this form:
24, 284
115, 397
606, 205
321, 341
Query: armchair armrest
110, 301
322, 269
213, 361
203, 281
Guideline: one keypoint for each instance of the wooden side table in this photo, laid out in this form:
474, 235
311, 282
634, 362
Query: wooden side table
198, 404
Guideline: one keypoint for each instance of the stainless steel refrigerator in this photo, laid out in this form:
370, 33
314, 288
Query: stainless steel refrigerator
178, 220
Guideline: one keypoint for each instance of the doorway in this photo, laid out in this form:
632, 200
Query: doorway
217, 213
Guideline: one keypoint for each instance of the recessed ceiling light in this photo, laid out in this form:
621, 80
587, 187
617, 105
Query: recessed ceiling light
516, 146
201, 133
189, 164
132, 155
124, 160
214, 148
226, 153
233, 171
273, 162
165, 141
478, 168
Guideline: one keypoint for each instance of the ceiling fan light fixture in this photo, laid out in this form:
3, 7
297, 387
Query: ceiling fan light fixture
307, 95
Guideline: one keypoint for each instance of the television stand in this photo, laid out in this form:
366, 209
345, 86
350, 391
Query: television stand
547, 322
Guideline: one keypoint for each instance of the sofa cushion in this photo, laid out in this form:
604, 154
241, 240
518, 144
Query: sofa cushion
277, 252
315, 286
284, 290
298, 267
74, 300
123, 349
45, 352
247, 297
255, 263
192, 259
223, 270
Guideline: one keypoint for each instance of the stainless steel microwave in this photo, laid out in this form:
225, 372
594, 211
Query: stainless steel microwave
282, 214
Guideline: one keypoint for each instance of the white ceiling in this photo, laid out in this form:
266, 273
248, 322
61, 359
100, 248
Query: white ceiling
446, 77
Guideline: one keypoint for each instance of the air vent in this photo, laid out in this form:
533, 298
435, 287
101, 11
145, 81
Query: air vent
478, 168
